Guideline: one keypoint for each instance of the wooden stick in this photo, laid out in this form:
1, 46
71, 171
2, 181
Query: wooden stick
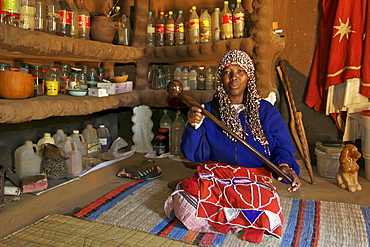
175, 89
296, 124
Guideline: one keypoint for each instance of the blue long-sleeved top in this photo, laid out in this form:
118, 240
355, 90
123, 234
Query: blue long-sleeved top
209, 143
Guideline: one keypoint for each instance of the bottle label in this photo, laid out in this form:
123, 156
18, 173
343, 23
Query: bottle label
204, 23
238, 18
65, 17
180, 28
84, 21
170, 28
103, 141
226, 19
161, 148
150, 29
10, 6
194, 24
159, 28
93, 147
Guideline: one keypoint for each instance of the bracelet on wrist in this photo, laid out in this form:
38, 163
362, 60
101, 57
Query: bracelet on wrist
284, 165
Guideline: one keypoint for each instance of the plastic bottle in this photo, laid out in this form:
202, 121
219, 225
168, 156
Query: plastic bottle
52, 16
80, 142
27, 160
193, 79
177, 73
84, 21
104, 137
74, 161
232, 7
52, 81
194, 37
170, 30
238, 20
92, 141
44, 140
177, 129
215, 25
185, 79
40, 15
226, 22
74, 19
201, 80
165, 121
159, 30
27, 14
180, 29
205, 26
65, 23
150, 30
124, 33
209, 85
168, 76
59, 136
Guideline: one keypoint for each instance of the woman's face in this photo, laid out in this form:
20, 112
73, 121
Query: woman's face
235, 80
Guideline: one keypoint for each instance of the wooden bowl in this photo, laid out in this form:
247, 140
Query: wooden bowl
16, 85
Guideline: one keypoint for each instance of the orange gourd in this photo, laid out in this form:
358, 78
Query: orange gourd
16, 85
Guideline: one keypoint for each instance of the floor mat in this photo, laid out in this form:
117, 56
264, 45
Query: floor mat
138, 205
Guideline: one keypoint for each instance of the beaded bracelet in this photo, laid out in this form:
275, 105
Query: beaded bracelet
284, 165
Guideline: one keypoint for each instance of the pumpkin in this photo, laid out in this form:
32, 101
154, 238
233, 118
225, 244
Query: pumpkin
16, 85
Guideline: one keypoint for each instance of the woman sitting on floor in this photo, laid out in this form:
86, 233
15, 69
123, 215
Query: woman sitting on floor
232, 189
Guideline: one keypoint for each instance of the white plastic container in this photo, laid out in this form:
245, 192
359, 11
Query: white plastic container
366, 157
327, 164
80, 142
46, 139
27, 160
59, 136
74, 163
365, 132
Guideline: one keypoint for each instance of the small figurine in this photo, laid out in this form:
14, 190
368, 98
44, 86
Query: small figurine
347, 176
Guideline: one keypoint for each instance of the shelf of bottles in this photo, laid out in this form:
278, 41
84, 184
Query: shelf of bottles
177, 29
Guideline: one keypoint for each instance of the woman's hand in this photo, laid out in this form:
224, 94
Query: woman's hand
195, 115
296, 182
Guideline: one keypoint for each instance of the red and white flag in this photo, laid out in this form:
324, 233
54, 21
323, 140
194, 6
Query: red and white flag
340, 50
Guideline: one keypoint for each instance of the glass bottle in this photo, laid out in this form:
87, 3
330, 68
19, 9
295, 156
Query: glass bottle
40, 15
65, 23
52, 81
170, 30
209, 85
27, 14
159, 79
205, 26
159, 30
83, 81
83, 21
52, 16
65, 70
10, 9
165, 121
125, 32
168, 76
185, 79
75, 83
101, 74
150, 30
193, 79
180, 30
74, 19
38, 77
226, 22
238, 20
177, 129
194, 27
215, 25
201, 79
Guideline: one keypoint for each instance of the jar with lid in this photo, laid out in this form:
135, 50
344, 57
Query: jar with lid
75, 83
25, 67
4, 67
52, 16
40, 15
101, 74
160, 145
10, 10
65, 70
27, 14
92, 82
38, 77
83, 81
52, 81
64, 85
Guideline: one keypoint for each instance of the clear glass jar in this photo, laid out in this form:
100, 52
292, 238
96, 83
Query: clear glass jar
101, 74
38, 76
25, 67
27, 17
52, 16
83, 81
52, 81
92, 82
4, 67
75, 83
64, 85
65, 70
40, 15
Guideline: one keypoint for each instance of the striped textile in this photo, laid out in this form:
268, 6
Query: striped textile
138, 205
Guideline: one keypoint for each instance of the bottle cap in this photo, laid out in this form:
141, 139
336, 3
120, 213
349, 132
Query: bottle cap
101, 126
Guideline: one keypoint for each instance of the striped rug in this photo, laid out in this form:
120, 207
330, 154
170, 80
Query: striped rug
138, 205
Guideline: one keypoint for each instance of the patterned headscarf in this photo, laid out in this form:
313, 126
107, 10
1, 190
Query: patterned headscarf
228, 113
